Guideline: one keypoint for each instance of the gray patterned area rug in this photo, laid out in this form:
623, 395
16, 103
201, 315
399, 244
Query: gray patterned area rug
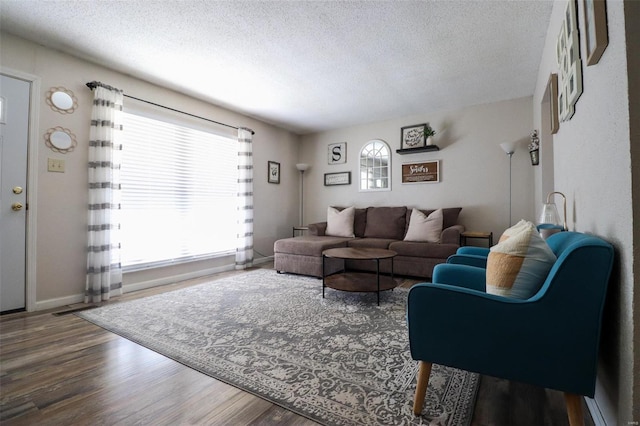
341, 360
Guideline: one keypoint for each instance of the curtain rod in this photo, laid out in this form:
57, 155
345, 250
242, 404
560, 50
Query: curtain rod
93, 84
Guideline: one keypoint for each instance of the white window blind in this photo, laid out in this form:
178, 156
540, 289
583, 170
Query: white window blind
179, 189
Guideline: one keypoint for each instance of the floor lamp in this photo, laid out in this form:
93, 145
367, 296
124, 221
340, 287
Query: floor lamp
509, 148
301, 168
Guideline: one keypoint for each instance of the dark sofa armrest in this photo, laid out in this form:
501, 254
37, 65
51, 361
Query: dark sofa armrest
451, 235
318, 228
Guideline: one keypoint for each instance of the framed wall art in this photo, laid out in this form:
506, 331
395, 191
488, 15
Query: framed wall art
3, 110
341, 178
552, 92
337, 153
273, 169
413, 136
595, 22
569, 63
425, 172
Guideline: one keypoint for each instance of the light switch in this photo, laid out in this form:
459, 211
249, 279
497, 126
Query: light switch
55, 165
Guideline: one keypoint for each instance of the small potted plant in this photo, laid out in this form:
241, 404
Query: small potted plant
428, 133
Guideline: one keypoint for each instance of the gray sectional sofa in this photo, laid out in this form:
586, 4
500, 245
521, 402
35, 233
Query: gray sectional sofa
374, 227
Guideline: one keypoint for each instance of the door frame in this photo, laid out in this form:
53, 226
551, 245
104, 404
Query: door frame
32, 181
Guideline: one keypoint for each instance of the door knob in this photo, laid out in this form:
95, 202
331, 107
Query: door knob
16, 206
17, 190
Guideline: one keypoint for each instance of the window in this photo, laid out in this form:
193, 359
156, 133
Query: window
375, 160
179, 192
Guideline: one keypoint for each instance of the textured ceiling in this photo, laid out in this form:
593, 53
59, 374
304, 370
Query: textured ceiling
305, 65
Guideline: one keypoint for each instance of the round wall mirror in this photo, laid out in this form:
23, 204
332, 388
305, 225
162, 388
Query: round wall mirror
61, 140
61, 100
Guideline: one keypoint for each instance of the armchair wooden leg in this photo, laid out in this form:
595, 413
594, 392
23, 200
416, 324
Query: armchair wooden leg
574, 409
421, 388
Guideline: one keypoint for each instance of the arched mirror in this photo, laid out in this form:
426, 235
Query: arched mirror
375, 166
59, 139
61, 100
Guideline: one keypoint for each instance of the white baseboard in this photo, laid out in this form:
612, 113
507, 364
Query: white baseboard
79, 298
594, 410
58, 302
188, 276
263, 260
175, 278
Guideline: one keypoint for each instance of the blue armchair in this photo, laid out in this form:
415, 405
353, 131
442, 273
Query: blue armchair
469, 255
550, 340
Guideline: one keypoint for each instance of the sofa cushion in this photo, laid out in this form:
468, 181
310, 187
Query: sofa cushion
426, 250
386, 222
519, 264
382, 243
340, 223
424, 228
308, 245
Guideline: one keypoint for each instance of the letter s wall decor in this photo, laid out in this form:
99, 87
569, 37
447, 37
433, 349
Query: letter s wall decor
337, 153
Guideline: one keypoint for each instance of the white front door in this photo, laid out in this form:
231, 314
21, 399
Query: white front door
14, 133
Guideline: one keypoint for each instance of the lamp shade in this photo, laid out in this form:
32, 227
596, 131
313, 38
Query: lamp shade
550, 214
550, 221
509, 147
302, 166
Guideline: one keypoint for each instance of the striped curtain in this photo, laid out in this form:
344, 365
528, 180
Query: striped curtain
104, 272
244, 250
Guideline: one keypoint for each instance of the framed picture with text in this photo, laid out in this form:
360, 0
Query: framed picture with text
413, 136
274, 172
424, 172
342, 178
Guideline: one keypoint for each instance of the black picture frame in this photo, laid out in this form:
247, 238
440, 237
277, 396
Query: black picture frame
413, 136
273, 172
339, 178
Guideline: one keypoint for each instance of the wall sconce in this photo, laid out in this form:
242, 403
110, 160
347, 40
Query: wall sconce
550, 219
302, 167
534, 148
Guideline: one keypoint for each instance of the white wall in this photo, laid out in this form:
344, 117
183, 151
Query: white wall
592, 167
474, 169
62, 197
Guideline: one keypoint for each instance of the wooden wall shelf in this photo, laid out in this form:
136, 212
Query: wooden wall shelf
416, 150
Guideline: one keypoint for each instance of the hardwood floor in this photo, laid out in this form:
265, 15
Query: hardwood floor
62, 370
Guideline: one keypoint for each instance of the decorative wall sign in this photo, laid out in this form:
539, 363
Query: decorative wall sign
595, 32
425, 172
342, 178
568, 56
413, 136
274, 172
337, 153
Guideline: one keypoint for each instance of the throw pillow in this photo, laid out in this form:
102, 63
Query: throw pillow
425, 228
519, 264
386, 222
340, 223
513, 230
